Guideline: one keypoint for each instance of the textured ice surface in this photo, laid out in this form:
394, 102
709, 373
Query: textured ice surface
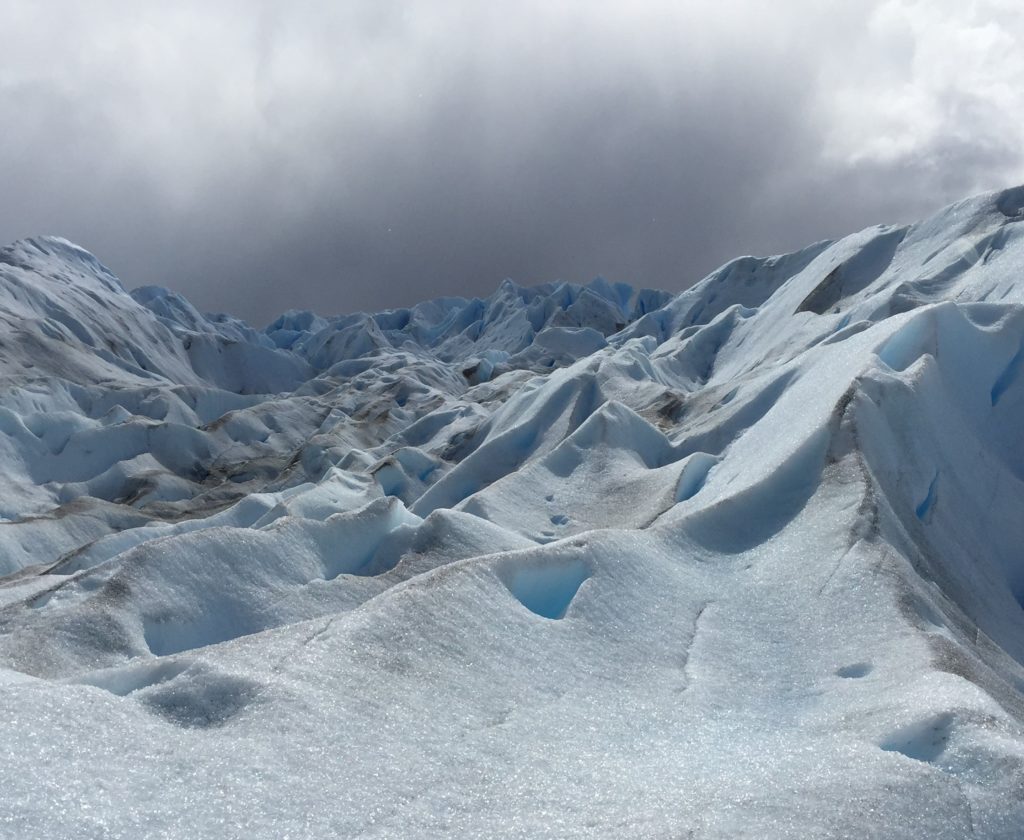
564, 562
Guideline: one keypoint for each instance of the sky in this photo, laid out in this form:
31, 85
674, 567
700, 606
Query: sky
361, 155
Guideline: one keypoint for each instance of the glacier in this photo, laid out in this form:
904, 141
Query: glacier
568, 561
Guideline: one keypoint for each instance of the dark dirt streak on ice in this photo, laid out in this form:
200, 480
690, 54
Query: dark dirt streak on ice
835, 569
866, 525
668, 507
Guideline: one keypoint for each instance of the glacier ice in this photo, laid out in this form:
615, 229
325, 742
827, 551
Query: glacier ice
568, 561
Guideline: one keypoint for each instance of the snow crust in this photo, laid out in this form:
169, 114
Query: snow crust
569, 561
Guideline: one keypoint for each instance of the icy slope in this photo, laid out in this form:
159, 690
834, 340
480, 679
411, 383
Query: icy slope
564, 562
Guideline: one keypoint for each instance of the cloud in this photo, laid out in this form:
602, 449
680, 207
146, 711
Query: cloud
945, 74
342, 156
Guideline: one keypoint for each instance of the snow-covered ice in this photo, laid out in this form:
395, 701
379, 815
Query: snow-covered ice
570, 561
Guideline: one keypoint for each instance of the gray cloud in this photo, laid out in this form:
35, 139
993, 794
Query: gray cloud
349, 156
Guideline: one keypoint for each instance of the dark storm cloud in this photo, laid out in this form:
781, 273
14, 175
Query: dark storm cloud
259, 156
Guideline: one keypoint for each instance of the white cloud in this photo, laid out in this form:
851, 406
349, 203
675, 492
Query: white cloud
934, 83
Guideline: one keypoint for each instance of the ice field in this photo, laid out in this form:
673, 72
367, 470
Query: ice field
571, 561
